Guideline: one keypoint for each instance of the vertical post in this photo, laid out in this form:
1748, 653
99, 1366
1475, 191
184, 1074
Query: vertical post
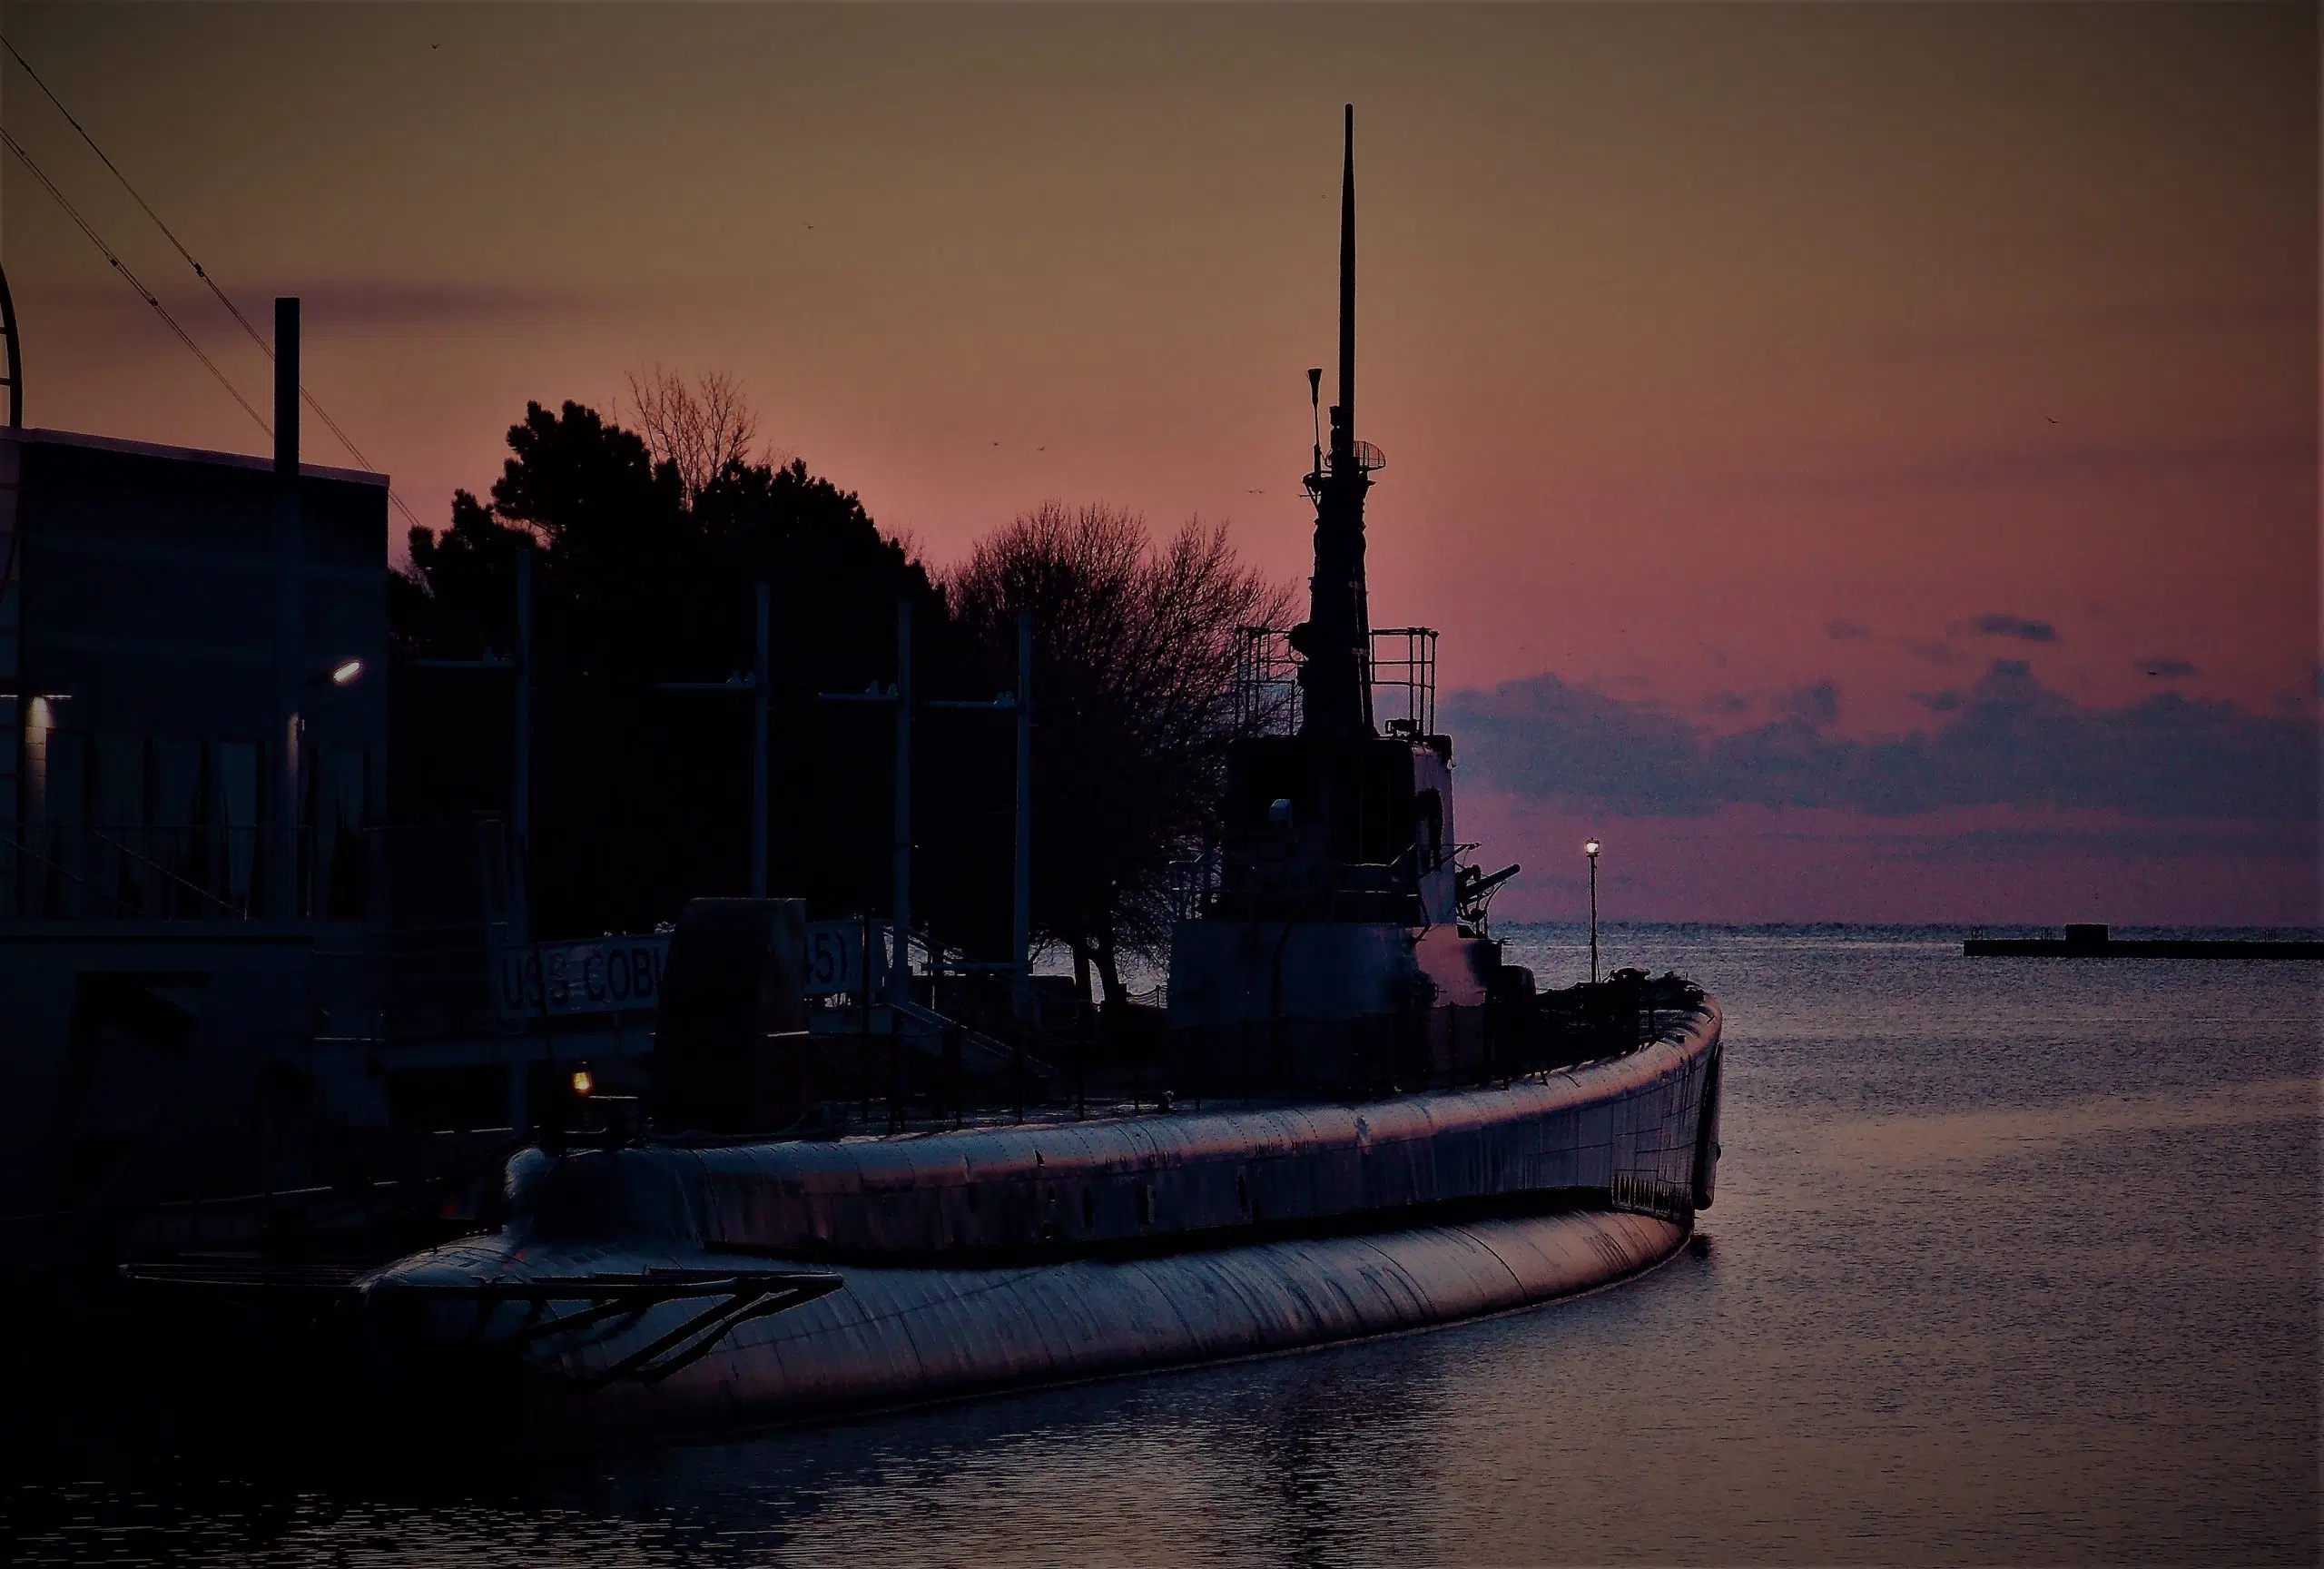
863, 1019
899, 962
953, 1074
1593, 912
1020, 935
521, 783
758, 756
284, 864
1347, 281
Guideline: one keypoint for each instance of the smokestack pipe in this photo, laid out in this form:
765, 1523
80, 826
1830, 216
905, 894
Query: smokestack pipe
283, 860
1347, 283
286, 387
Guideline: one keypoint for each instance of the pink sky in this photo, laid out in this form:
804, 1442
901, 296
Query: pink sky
1717, 352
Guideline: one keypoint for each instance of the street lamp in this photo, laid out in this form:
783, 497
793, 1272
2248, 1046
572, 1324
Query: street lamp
1590, 847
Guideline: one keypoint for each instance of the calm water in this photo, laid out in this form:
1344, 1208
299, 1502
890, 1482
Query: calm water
2013, 1260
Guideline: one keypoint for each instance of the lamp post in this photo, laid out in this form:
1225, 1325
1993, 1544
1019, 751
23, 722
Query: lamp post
521, 771
310, 882
899, 908
755, 684
1590, 847
1019, 704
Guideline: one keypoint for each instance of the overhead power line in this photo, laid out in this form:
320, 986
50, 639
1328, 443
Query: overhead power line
142, 204
264, 346
131, 278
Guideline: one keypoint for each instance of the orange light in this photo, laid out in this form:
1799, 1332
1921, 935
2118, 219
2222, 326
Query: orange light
581, 1081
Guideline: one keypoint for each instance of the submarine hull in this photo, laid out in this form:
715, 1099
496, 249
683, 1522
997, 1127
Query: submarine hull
899, 1336
665, 1286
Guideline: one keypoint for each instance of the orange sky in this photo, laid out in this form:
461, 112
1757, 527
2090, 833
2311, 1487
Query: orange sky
1694, 336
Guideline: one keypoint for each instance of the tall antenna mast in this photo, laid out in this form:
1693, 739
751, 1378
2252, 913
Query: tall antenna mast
1346, 433
1334, 642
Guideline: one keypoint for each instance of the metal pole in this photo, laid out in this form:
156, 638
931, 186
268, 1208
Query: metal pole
899, 962
521, 786
758, 759
1347, 280
863, 1019
285, 864
1593, 920
1022, 912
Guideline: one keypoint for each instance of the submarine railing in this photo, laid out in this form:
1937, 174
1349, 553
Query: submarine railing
1396, 659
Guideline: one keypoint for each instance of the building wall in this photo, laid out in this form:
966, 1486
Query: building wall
145, 603
166, 1019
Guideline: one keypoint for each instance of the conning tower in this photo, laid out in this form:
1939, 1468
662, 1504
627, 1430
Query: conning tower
1334, 941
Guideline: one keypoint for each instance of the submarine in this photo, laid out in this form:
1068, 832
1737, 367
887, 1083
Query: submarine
1371, 1123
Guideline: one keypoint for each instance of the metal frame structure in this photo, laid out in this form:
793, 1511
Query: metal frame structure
1267, 696
16, 377
613, 1303
1414, 670
1019, 704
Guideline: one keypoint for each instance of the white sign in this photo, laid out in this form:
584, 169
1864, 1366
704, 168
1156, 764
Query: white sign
604, 975
834, 957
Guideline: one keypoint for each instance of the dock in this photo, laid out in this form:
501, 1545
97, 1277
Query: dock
2093, 942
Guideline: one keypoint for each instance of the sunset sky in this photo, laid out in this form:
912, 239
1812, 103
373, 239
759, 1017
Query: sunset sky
1863, 460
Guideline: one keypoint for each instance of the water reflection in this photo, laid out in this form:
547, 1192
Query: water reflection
2011, 1261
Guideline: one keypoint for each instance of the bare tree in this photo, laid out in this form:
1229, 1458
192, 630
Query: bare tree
1134, 704
699, 428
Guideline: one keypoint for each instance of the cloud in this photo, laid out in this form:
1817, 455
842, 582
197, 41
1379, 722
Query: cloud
356, 303
2035, 463
1817, 704
2006, 740
2138, 842
326, 304
1845, 629
2001, 624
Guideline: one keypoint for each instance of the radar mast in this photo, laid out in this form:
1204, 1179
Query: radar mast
1335, 641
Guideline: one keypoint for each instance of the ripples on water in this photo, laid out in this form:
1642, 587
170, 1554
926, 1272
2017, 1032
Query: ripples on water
2013, 1259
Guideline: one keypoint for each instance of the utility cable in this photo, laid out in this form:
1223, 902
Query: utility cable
115, 170
265, 347
131, 278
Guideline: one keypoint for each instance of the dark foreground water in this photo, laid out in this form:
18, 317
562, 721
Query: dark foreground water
2013, 1260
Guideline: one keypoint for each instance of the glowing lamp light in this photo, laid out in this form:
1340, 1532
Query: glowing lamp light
1591, 848
582, 1082
346, 672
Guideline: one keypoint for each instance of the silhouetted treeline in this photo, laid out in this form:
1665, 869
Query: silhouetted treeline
641, 796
